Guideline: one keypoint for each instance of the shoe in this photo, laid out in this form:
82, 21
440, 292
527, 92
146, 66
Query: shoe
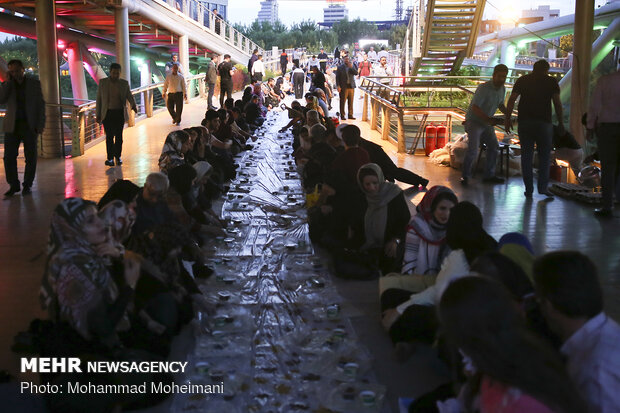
119, 161
464, 181
351, 117
27, 190
547, 194
109, 162
424, 183
174, 122
493, 180
12, 191
343, 118
603, 212
528, 195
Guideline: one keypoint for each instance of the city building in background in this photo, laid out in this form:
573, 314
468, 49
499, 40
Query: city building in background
268, 11
335, 12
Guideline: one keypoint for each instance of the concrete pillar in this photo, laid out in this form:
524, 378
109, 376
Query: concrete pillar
121, 26
52, 143
76, 70
402, 148
147, 96
184, 59
92, 66
509, 54
580, 82
600, 49
493, 59
385, 123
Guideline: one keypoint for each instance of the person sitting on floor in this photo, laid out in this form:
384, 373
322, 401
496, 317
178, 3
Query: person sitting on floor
177, 143
411, 317
349, 162
425, 247
253, 113
571, 300
509, 369
383, 229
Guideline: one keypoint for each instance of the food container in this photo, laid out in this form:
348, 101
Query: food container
368, 398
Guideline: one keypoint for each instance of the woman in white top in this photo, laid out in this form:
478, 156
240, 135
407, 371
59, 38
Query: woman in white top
410, 317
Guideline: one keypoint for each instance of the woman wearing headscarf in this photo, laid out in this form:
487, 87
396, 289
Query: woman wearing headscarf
154, 315
77, 287
89, 309
409, 316
425, 244
386, 216
177, 143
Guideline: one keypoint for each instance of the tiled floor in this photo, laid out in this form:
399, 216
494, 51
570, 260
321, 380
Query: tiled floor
24, 223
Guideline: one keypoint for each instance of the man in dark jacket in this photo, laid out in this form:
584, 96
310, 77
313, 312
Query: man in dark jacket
389, 168
283, 61
253, 59
345, 80
23, 121
210, 80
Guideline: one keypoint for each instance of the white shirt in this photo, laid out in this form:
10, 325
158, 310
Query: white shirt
593, 354
604, 106
372, 55
296, 54
258, 67
386, 70
313, 62
174, 84
454, 266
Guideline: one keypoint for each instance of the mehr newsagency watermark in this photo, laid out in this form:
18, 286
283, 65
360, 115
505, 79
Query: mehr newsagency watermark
75, 365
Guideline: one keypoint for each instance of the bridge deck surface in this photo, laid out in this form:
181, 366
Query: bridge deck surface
24, 224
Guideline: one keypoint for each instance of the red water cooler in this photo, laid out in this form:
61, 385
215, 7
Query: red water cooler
442, 136
431, 137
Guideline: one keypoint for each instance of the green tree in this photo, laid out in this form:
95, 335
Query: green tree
349, 32
397, 35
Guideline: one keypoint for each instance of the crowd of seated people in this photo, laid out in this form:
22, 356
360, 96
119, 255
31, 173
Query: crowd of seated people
522, 333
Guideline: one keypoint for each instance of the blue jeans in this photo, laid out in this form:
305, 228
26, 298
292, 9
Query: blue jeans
540, 133
477, 132
608, 135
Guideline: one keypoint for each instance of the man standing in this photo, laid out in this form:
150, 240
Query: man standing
112, 95
296, 57
216, 21
479, 123
323, 60
299, 77
173, 62
283, 61
210, 79
382, 69
174, 88
258, 69
604, 117
372, 55
23, 122
225, 70
253, 59
537, 91
382, 53
345, 80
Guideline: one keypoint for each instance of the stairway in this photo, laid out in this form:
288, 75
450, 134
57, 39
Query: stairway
450, 31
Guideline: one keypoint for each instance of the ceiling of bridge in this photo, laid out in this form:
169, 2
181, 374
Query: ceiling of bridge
94, 18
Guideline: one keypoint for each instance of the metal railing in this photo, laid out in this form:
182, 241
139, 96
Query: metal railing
200, 13
419, 95
79, 122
